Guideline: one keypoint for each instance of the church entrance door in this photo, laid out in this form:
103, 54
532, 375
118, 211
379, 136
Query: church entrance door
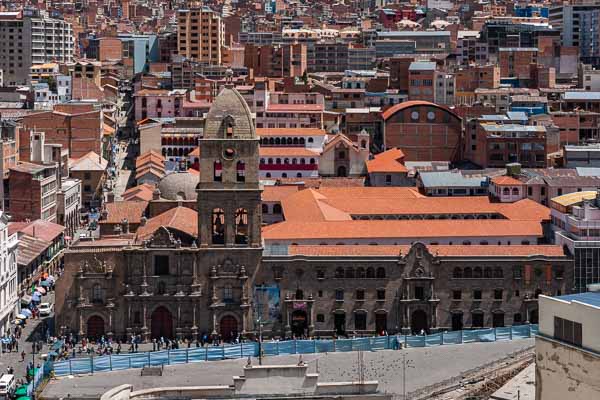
162, 323
95, 327
228, 328
299, 323
418, 322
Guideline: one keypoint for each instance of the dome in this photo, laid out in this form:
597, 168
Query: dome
178, 186
229, 115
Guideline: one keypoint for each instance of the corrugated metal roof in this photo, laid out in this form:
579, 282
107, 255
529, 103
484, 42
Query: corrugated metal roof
588, 171
450, 179
581, 96
422, 66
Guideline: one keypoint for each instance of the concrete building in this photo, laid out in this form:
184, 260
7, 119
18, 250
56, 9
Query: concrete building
578, 24
8, 279
567, 347
90, 169
576, 224
276, 60
68, 201
30, 37
516, 62
201, 35
582, 156
422, 82
33, 189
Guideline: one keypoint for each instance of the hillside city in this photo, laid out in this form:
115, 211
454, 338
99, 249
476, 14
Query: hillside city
334, 199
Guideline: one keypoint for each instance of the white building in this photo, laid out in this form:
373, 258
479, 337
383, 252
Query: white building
8, 274
568, 347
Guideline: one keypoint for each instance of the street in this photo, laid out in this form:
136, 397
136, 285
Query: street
31, 332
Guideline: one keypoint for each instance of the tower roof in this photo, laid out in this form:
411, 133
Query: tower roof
229, 110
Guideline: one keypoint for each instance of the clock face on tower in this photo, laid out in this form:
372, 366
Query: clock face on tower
414, 115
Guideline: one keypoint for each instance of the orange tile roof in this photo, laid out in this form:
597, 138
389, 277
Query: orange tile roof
400, 229
401, 106
389, 161
149, 169
182, 219
506, 181
276, 193
141, 192
290, 132
287, 152
39, 229
120, 210
152, 157
439, 250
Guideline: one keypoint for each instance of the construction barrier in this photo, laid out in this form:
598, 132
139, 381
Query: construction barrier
87, 365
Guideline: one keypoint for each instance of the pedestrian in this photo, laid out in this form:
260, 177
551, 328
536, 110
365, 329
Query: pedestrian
23, 356
16, 345
154, 344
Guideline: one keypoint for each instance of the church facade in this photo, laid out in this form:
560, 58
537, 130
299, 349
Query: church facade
196, 265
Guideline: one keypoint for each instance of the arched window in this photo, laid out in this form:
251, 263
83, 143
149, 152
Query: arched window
241, 226
217, 171
277, 141
277, 209
262, 160
278, 161
164, 152
294, 161
477, 272
270, 161
363, 144
457, 273
515, 191
299, 175
302, 161
295, 141
498, 273
299, 294
381, 273
310, 140
229, 123
218, 226
339, 272
506, 191
240, 171
487, 272
370, 273
162, 288
468, 273
302, 141
268, 175
289, 140
265, 209
272, 141
286, 160
284, 175
360, 273
312, 161
350, 273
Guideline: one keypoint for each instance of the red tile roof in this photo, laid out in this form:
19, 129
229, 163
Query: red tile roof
182, 219
404, 105
506, 181
400, 229
276, 193
391, 160
439, 250
132, 211
39, 228
141, 192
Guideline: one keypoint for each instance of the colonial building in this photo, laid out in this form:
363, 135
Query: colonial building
342, 260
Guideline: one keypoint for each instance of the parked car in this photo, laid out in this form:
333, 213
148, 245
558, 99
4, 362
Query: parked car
45, 309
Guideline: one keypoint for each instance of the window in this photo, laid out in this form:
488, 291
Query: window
517, 319
388, 180
477, 319
265, 209
339, 272
320, 293
498, 273
161, 265
360, 321
360, 294
339, 294
477, 294
320, 317
87, 188
218, 226
517, 272
380, 273
457, 273
380, 294
97, 296
497, 294
320, 274
227, 294
137, 317
241, 226
567, 331
456, 294
277, 209
370, 273
468, 273
87, 175
419, 292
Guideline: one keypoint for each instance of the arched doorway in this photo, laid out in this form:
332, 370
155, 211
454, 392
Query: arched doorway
162, 323
299, 323
457, 321
418, 322
95, 327
228, 328
341, 171
380, 322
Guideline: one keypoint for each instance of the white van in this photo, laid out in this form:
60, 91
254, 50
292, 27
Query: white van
7, 386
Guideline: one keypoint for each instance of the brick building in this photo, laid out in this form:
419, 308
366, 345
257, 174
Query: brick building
32, 192
276, 60
78, 127
424, 131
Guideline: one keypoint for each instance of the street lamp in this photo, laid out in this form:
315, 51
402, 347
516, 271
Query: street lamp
259, 322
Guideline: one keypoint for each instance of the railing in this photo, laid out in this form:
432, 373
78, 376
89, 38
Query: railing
86, 365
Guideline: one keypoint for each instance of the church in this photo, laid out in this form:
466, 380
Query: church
196, 259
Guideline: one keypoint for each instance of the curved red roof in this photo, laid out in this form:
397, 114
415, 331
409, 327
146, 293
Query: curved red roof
407, 104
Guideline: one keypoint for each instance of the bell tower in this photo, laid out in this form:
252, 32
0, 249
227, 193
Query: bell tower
229, 193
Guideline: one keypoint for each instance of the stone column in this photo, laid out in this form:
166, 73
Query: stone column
309, 315
205, 223
230, 226
145, 333
214, 322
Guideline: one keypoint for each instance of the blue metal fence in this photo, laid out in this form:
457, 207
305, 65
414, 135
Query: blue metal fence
198, 354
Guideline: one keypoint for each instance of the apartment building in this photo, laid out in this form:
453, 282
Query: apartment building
578, 27
30, 37
8, 276
276, 60
32, 190
201, 35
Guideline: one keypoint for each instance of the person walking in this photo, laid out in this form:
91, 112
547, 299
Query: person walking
23, 356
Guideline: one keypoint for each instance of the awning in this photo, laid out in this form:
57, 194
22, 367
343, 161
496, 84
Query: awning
45, 283
26, 299
41, 290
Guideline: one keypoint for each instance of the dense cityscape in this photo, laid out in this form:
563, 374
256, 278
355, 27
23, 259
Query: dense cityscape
346, 199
